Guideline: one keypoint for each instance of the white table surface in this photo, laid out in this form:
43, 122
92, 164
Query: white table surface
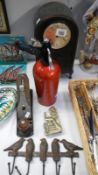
69, 124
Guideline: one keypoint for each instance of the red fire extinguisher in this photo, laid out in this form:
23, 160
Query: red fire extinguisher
46, 74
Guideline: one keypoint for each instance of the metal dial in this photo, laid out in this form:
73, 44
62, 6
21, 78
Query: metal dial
58, 34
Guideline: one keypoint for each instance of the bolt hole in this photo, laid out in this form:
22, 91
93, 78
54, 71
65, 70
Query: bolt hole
70, 8
30, 122
23, 108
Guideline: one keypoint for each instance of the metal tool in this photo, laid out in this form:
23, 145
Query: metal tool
80, 100
91, 123
93, 140
29, 153
43, 152
56, 153
14, 148
91, 132
24, 107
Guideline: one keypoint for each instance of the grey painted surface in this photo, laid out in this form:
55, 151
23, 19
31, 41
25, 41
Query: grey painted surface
21, 13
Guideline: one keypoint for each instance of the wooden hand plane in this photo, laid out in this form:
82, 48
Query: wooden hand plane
24, 107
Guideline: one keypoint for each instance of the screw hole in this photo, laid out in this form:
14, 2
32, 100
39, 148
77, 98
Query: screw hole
23, 108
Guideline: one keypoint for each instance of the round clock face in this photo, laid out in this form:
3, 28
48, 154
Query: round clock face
58, 34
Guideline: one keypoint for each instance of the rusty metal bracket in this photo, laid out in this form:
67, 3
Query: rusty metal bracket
49, 154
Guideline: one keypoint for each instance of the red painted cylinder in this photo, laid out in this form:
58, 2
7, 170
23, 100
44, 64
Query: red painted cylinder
46, 82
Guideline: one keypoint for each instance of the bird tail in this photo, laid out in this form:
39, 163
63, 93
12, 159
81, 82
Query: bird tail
7, 149
80, 149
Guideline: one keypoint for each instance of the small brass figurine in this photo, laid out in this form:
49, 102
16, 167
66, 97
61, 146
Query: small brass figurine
52, 124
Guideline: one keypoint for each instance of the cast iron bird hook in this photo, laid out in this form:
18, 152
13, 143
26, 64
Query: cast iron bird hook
29, 153
14, 148
43, 152
56, 153
71, 148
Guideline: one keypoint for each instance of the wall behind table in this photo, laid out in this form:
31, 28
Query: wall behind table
21, 12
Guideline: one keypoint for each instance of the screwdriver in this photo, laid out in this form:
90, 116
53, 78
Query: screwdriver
56, 154
43, 152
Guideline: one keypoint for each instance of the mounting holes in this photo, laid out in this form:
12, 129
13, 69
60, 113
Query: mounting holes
23, 107
30, 122
70, 8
